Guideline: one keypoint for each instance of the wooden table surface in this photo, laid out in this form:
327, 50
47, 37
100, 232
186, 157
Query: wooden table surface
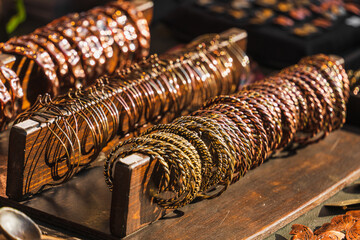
266, 199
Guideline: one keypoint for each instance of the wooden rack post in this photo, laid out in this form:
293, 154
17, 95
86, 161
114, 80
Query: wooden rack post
132, 206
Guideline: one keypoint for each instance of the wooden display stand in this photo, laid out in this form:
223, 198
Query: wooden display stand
264, 200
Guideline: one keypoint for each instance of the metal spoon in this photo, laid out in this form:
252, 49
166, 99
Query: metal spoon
17, 226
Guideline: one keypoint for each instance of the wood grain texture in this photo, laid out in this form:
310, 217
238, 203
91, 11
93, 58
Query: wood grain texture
133, 186
268, 197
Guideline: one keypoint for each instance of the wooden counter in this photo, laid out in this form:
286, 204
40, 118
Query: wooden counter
266, 199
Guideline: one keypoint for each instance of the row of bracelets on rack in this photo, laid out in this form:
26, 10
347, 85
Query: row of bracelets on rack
73, 51
154, 90
201, 154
